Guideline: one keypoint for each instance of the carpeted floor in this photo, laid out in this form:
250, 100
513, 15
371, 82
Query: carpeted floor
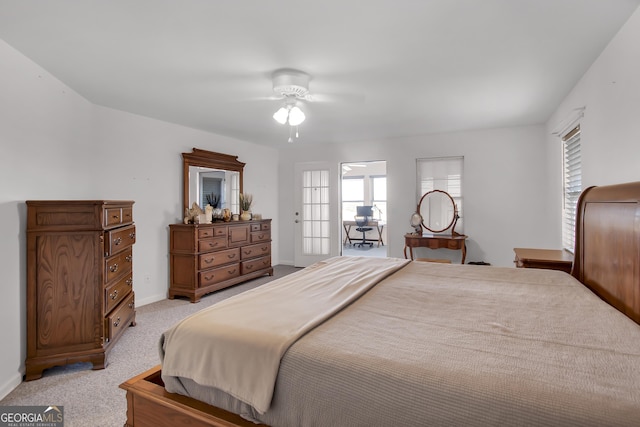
93, 398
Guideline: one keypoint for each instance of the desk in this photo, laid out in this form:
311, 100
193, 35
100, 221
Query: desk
375, 224
435, 241
550, 259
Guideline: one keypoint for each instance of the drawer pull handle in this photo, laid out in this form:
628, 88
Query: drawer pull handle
115, 217
128, 258
113, 268
231, 271
132, 235
129, 281
209, 260
116, 323
265, 249
117, 241
261, 236
249, 267
209, 277
247, 252
231, 256
213, 245
114, 295
131, 304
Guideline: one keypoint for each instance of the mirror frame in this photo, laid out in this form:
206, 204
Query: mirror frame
207, 159
454, 220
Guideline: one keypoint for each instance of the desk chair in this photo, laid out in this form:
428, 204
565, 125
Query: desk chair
363, 215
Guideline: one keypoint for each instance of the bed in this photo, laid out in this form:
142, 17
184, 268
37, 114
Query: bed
413, 343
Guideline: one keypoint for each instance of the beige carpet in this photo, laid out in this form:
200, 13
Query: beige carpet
93, 398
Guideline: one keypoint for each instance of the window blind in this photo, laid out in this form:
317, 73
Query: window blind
572, 185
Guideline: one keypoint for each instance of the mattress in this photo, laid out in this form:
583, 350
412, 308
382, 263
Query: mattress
443, 344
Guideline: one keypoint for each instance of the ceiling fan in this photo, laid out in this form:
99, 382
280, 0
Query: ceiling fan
289, 83
292, 87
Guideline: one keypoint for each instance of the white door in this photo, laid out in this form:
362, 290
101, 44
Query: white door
316, 212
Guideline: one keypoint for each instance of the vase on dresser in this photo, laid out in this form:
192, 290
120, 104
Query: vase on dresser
245, 215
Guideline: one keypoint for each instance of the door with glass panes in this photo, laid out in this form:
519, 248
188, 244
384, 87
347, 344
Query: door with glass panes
316, 212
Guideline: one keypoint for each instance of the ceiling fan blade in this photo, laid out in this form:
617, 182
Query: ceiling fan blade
336, 97
259, 98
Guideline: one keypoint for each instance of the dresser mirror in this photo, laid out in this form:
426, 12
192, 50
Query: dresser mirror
212, 177
439, 211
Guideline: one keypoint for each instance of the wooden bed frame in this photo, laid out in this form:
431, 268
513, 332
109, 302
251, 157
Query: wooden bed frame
607, 261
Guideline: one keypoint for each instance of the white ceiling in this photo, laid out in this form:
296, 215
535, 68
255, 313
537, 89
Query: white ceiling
405, 67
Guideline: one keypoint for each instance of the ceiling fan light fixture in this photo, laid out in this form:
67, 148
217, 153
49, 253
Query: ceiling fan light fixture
281, 115
289, 114
296, 116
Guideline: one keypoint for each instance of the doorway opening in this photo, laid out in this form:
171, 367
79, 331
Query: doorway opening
364, 208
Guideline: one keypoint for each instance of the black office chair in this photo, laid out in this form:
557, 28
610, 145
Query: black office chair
362, 218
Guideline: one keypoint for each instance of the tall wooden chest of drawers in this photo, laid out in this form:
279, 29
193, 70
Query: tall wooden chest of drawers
209, 257
79, 281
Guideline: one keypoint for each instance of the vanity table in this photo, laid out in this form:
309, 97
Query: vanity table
436, 213
435, 241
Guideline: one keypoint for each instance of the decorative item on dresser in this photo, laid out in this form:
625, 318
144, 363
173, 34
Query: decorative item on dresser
209, 257
79, 281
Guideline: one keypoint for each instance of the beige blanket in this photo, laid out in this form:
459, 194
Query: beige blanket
236, 345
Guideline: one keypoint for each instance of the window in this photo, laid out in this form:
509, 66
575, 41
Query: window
352, 196
379, 199
442, 173
235, 193
572, 185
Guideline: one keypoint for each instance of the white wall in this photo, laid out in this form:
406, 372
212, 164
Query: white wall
505, 188
610, 128
54, 144
37, 136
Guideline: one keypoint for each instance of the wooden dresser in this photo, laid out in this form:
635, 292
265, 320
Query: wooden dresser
209, 257
79, 281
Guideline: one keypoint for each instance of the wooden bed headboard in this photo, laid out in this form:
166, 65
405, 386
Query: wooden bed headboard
607, 250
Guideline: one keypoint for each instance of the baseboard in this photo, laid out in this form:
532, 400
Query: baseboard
10, 385
149, 300
285, 262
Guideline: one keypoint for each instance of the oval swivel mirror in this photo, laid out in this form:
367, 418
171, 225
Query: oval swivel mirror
439, 211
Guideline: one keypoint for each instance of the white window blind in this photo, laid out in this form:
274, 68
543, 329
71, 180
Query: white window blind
572, 185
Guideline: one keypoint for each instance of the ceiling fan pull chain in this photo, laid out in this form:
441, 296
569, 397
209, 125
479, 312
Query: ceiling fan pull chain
297, 135
290, 131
